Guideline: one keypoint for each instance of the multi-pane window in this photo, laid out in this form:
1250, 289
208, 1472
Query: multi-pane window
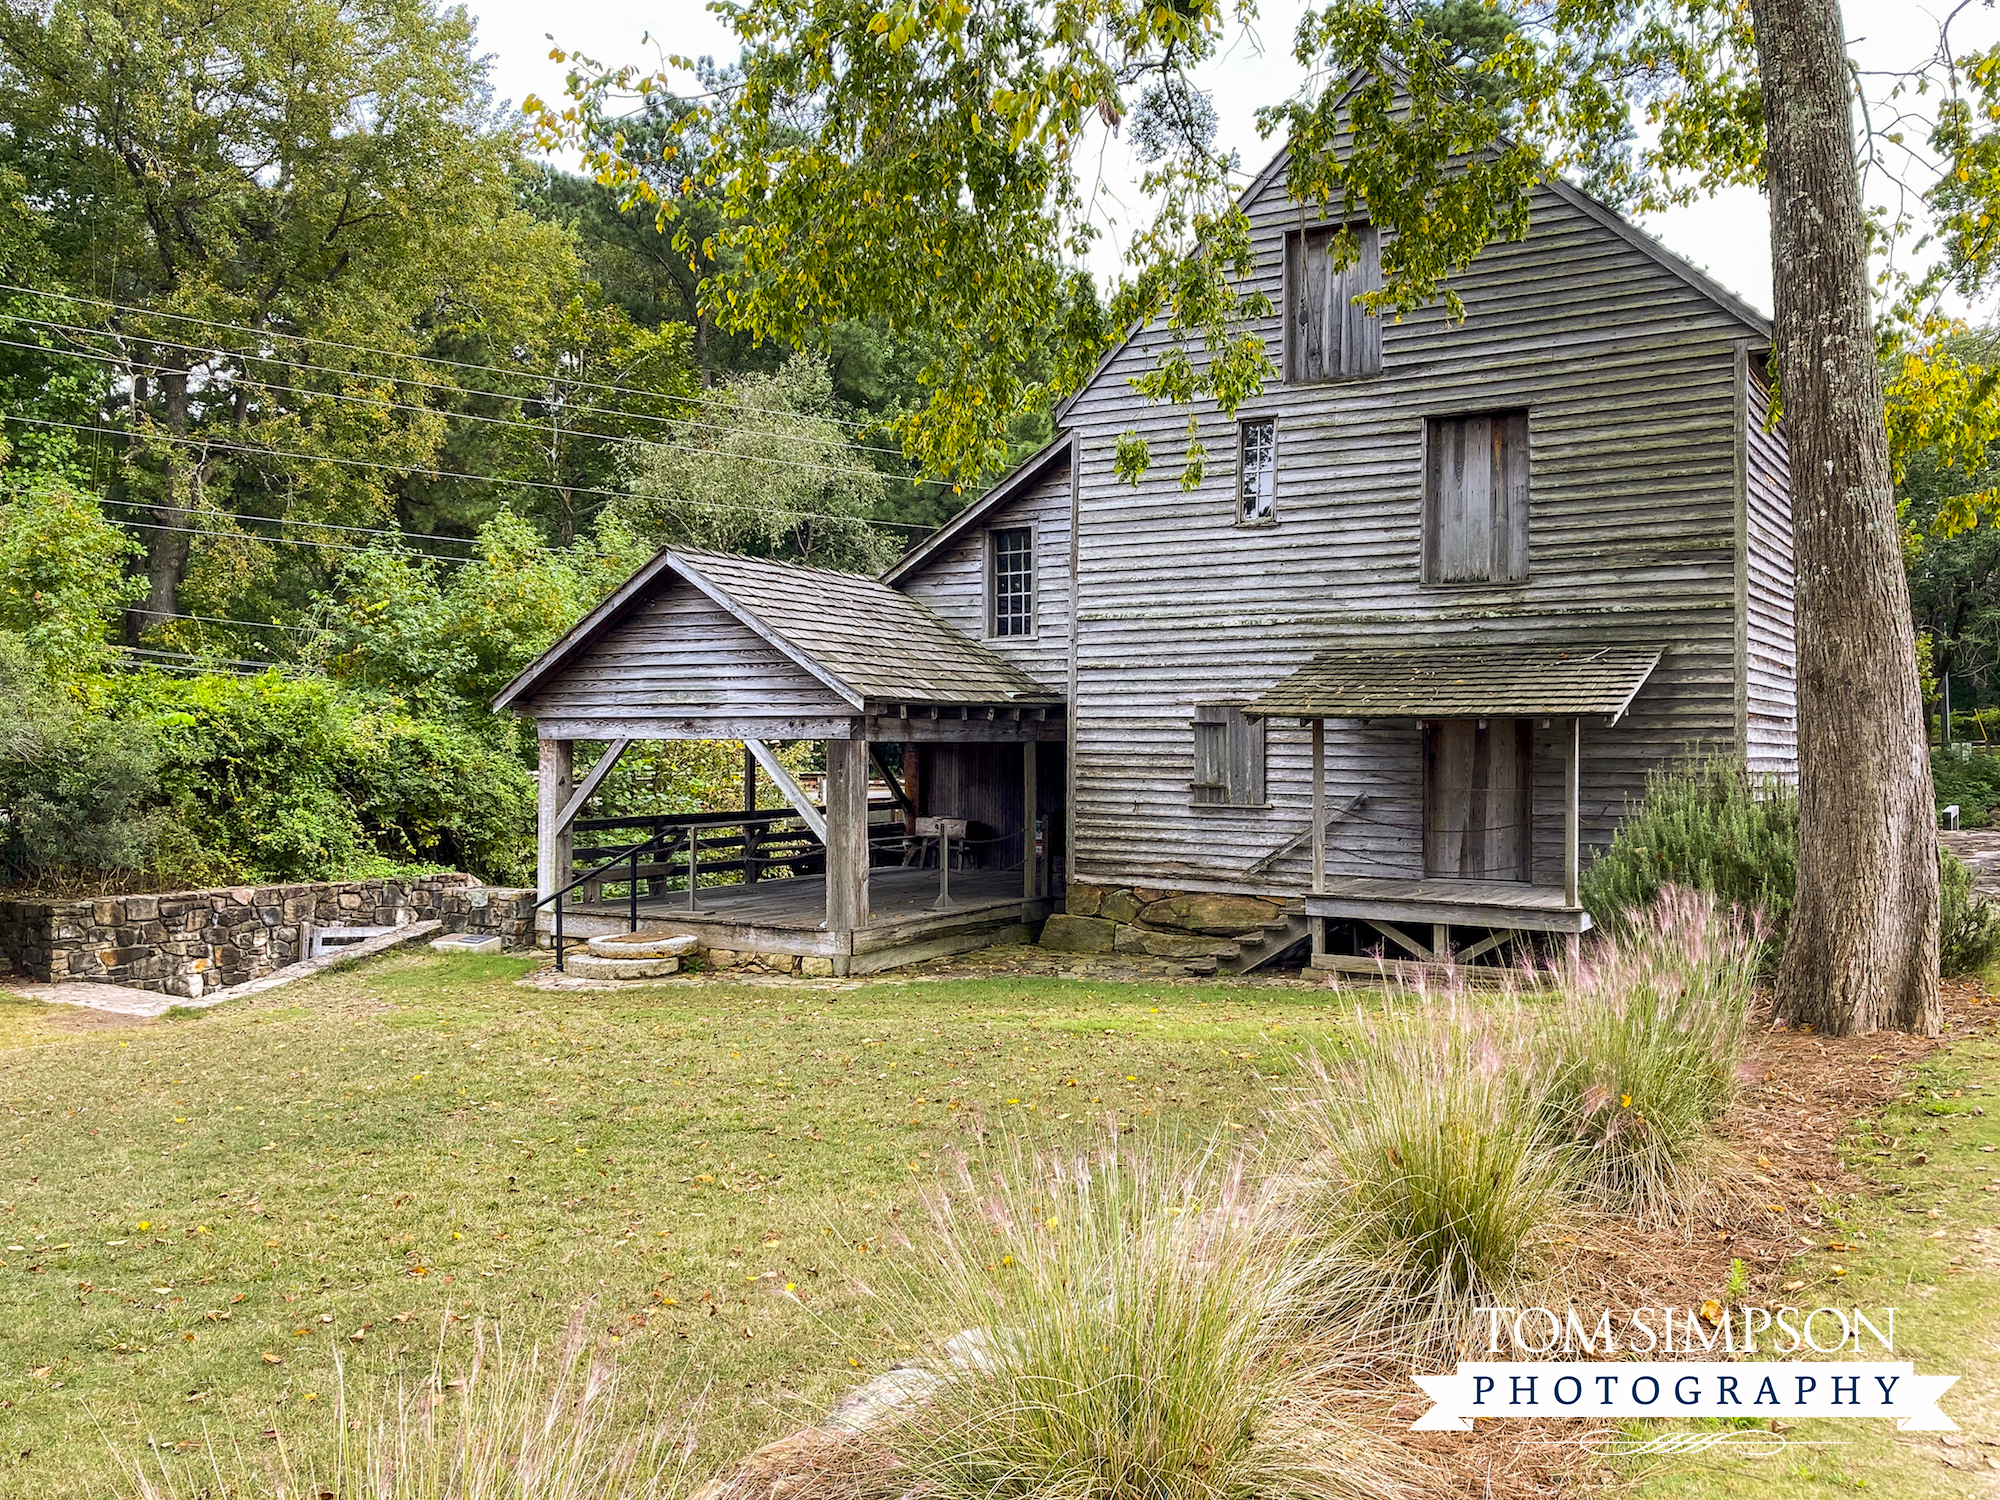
1228, 757
1327, 337
1257, 470
1010, 589
1476, 498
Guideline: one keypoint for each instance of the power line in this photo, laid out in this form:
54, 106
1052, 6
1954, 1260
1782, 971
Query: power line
514, 422
427, 359
362, 463
281, 541
79, 330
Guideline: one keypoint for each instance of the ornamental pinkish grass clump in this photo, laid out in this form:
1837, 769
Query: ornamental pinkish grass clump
1639, 1061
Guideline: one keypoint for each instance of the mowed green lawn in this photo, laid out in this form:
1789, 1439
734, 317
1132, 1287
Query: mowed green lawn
199, 1215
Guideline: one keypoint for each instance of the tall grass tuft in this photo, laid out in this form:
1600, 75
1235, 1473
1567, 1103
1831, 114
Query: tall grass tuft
1429, 1193
1106, 1318
518, 1425
1640, 1061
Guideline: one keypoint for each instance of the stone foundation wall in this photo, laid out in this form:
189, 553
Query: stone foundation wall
194, 942
1159, 923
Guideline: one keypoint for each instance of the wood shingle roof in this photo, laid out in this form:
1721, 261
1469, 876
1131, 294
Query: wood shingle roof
1461, 682
869, 643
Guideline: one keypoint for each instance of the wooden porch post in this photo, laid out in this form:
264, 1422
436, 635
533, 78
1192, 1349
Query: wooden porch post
557, 765
1030, 875
1317, 925
1572, 819
750, 870
846, 838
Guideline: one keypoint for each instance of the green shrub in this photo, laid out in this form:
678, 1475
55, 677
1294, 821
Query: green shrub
1640, 1061
201, 780
1710, 827
1714, 828
1968, 925
1972, 784
1430, 1191
78, 793
1103, 1321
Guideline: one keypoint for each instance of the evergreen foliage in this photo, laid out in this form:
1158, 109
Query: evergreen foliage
1711, 826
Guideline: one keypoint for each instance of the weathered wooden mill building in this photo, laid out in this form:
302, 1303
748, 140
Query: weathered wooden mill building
1391, 673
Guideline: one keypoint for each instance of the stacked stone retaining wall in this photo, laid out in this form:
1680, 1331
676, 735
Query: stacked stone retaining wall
1159, 923
194, 942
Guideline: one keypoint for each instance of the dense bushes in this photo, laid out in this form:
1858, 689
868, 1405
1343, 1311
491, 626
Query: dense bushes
1713, 827
209, 779
1971, 784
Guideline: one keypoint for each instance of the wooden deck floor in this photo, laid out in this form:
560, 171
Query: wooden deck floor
788, 916
895, 895
1464, 903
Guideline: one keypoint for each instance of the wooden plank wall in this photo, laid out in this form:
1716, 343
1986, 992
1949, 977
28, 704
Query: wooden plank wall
954, 582
1628, 376
1771, 658
676, 654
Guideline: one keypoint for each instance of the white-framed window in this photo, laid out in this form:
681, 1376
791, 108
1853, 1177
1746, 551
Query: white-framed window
1010, 581
1327, 337
1228, 757
1257, 469
1476, 498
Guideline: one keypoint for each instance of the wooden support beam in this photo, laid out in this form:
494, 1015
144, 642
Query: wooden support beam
793, 793
1319, 805
1389, 931
1572, 817
896, 793
846, 835
1488, 943
1030, 872
556, 768
591, 782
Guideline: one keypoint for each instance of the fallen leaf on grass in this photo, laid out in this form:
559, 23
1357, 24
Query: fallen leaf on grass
273, 1359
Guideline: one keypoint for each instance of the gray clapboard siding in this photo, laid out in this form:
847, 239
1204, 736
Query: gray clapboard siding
678, 653
1771, 656
953, 583
1627, 373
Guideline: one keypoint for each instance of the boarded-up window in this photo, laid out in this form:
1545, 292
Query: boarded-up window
1327, 337
1228, 757
1476, 499
1257, 470
1010, 572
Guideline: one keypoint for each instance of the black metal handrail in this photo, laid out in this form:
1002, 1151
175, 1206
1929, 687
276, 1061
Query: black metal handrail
623, 856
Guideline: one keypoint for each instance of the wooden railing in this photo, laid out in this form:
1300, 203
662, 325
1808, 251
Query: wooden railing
723, 848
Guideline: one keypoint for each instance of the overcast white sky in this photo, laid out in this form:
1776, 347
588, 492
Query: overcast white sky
1728, 235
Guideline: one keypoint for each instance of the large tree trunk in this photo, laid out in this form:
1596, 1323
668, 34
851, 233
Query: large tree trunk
167, 547
1862, 952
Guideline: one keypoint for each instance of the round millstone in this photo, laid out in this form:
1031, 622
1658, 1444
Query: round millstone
592, 966
644, 945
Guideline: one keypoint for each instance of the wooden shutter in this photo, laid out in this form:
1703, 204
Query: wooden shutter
1228, 757
1476, 499
1327, 336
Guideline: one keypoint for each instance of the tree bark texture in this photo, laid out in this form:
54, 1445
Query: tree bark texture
1863, 946
167, 549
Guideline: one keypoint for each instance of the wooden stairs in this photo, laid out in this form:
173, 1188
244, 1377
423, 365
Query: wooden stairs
1278, 938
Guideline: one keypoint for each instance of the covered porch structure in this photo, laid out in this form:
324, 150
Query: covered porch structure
926, 832
1476, 896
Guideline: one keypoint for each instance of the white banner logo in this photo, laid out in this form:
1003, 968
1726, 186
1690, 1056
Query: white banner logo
1684, 1388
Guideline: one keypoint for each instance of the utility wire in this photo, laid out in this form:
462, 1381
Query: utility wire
124, 362
514, 422
150, 435
426, 359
